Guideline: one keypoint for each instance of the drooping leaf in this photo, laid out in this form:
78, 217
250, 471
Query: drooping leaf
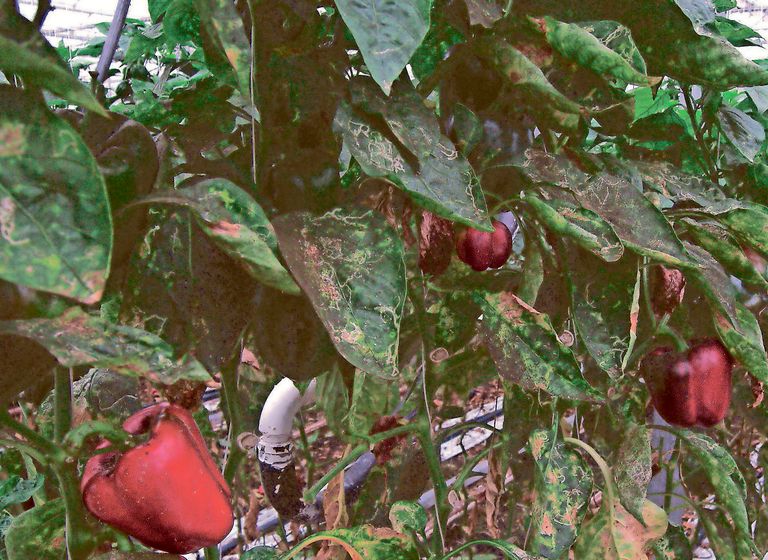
76, 338
181, 23
614, 534
388, 32
700, 12
372, 397
55, 223
527, 350
618, 38
237, 224
632, 469
744, 340
562, 485
444, 183
366, 543
601, 306
723, 474
737, 34
25, 52
350, 264
717, 241
585, 227
38, 533
509, 550
578, 44
15, 490
225, 29
744, 132
524, 75
714, 282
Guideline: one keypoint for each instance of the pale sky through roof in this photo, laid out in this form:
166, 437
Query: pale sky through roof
73, 21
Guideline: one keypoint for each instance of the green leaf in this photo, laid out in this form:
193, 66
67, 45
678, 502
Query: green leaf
585, 227
350, 264
700, 12
533, 272
55, 222
333, 399
407, 516
674, 545
157, 8
181, 23
741, 130
372, 397
444, 183
38, 533
77, 339
15, 490
714, 282
723, 474
260, 553
527, 350
724, 5
388, 32
25, 52
601, 306
632, 470
524, 75
614, 534
744, 340
562, 484
618, 38
404, 112
638, 223
227, 34
748, 221
114, 555
509, 550
717, 241
366, 543
576, 43
737, 34
237, 224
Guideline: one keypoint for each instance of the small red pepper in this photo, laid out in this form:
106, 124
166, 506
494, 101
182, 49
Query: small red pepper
166, 492
483, 250
693, 388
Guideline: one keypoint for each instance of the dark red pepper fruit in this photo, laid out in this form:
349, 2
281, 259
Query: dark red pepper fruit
693, 388
483, 250
166, 492
668, 289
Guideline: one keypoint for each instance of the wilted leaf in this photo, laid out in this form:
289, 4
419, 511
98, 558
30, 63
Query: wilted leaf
55, 223
76, 338
483, 12
25, 52
407, 516
387, 32
563, 485
350, 264
365, 543
527, 350
15, 490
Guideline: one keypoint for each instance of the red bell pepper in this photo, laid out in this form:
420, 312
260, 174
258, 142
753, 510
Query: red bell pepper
483, 250
693, 388
166, 492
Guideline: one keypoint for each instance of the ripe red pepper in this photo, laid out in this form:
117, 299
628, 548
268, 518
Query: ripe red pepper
166, 492
483, 250
693, 388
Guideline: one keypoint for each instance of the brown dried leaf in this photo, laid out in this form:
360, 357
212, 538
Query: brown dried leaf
435, 243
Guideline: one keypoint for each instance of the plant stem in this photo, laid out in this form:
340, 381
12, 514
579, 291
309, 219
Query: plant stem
311, 494
212, 553
432, 456
234, 417
699, 136
36, 441
81, 537
62, 403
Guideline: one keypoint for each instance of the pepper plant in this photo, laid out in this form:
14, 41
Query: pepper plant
272, 189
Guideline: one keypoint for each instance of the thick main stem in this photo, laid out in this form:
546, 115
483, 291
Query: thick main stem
62, 403
234, 417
